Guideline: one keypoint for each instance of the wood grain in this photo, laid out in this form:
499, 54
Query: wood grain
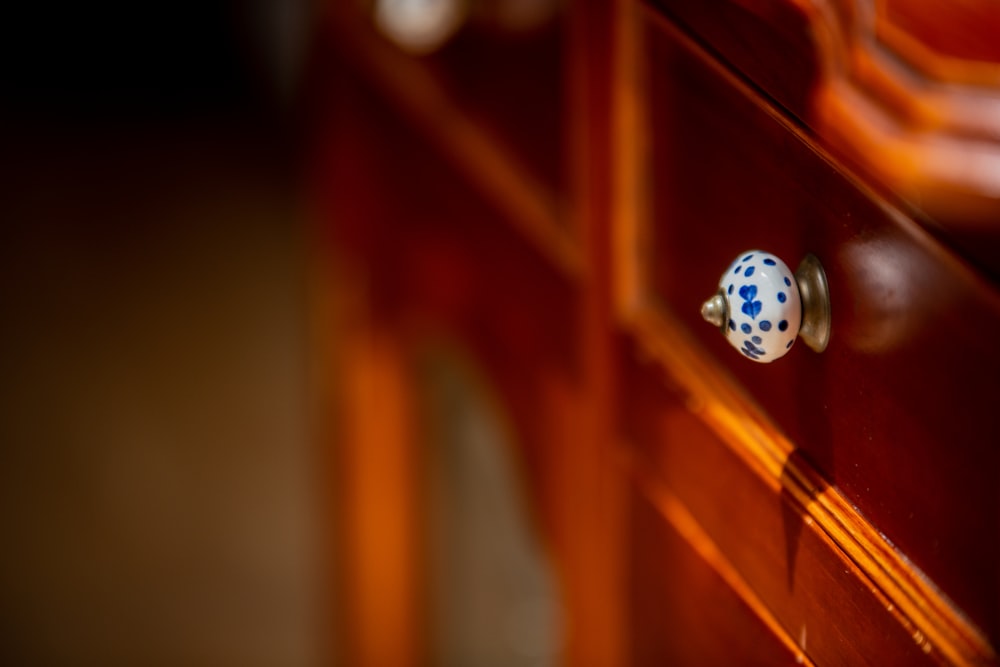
770, 493
875, 413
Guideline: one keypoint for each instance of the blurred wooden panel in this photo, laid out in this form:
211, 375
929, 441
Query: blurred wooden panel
438, 254
441, 261
382, 533
492, 597
512, 84
469, 100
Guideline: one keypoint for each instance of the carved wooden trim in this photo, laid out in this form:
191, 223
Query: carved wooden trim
922, 123
951, 22
925, 124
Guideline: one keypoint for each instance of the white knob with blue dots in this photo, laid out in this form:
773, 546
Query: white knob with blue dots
761, 306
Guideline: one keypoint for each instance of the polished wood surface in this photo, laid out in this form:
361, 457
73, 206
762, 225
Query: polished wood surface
952, 43
872, 411
827, 509
668, 629
905, 92
771, 538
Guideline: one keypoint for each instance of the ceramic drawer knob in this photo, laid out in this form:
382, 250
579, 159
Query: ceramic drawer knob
762, 307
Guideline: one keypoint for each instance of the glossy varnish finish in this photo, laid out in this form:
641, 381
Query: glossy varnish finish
953, 43
667, 626
822, 601
697, 508
872, 411
904, 92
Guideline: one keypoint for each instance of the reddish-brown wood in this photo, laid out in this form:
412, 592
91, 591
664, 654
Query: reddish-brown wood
769, 538
382, 513
435, 269
873, 411
595, 488
469, 282
683, 611
771, 43
484, 70
763, 498
962, 33
492, 167
905, 92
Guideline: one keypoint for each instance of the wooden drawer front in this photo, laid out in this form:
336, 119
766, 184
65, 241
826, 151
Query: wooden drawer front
822, 601
900, 411
773, 44
682, 610
905, 91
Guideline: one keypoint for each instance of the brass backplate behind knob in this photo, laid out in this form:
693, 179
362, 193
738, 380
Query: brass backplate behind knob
815, 293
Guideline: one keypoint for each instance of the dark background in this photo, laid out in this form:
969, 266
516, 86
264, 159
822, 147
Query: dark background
158, 476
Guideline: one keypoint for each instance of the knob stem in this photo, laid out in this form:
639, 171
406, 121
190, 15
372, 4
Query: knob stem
714, 310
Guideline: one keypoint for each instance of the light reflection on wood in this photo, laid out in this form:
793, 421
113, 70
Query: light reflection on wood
381, 532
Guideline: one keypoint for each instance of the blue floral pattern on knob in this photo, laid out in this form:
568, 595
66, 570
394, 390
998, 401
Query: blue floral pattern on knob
765, 309
750, 307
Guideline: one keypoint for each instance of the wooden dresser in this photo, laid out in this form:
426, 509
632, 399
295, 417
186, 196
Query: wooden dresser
557, 200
